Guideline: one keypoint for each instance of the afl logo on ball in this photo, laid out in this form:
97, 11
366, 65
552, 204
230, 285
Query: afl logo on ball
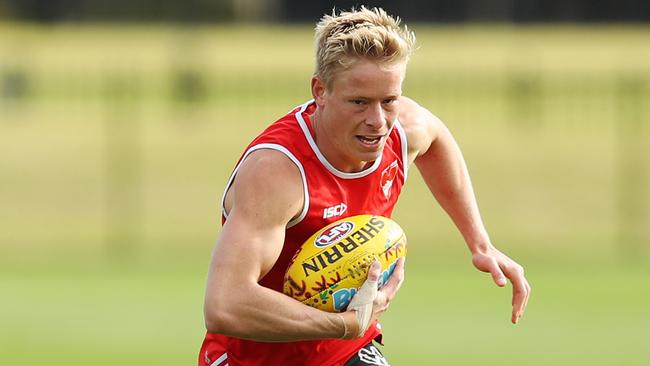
334, 234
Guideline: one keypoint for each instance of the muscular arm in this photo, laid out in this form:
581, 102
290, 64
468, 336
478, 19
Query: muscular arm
440, 161
265, 195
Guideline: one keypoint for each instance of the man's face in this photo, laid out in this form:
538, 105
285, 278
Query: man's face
357, 112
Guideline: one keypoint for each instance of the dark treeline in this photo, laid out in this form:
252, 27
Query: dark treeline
308, 11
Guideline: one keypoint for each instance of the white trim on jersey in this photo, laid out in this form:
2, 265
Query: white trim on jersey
220, 360
405, 150
321, 157
286, 152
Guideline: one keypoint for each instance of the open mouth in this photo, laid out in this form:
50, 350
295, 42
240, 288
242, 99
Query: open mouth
369, 140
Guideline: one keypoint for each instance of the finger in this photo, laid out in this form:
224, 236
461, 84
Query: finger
528, 290
527, 296
374, 271
395, 281
520, 292
518, 296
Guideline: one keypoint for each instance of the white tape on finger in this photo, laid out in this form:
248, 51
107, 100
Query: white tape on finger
362, 304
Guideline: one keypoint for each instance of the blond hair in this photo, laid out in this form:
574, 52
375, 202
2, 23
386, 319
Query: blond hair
369, 34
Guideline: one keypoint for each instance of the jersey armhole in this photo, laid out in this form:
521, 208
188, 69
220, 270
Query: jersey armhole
291, 157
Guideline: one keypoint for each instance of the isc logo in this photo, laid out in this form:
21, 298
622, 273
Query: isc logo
333, 234
333, 211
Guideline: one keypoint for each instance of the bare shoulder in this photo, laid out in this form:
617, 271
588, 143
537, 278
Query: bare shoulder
268, 187
265, 194
420, 126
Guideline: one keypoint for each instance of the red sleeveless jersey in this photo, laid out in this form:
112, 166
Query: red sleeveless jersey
329, 196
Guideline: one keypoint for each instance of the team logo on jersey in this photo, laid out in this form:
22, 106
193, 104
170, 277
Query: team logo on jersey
333, 234
388, 177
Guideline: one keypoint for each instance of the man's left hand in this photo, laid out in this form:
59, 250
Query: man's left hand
501, 267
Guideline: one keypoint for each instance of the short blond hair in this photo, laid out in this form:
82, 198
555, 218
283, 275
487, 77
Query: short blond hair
365, 33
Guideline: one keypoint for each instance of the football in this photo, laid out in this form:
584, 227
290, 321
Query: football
332, 264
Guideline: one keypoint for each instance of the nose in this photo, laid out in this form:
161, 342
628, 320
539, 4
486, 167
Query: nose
376, 117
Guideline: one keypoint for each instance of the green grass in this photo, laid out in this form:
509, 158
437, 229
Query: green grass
573, 319
101, 317
109, 314
537, 110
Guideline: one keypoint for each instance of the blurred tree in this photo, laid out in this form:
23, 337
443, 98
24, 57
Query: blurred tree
13, 84
119, 10
524, 92
308, 11
123, 195
257, 10
43, 11
634, 168
485, 10
188, 86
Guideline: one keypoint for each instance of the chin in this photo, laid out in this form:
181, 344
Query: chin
365, 155
370, 157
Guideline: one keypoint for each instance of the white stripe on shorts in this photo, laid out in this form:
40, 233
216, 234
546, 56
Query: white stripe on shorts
221, 359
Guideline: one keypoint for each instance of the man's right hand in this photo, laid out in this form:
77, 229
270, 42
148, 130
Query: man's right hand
369, 303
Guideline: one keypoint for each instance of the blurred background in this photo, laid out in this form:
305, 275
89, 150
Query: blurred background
120, 122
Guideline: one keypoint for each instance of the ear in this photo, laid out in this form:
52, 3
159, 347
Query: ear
318, 90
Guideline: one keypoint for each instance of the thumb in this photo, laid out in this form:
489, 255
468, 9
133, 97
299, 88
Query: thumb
497, 274
374, 271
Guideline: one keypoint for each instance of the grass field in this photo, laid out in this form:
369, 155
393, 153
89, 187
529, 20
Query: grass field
456, 317
116, 141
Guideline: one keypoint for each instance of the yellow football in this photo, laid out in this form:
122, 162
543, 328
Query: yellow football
332, 264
